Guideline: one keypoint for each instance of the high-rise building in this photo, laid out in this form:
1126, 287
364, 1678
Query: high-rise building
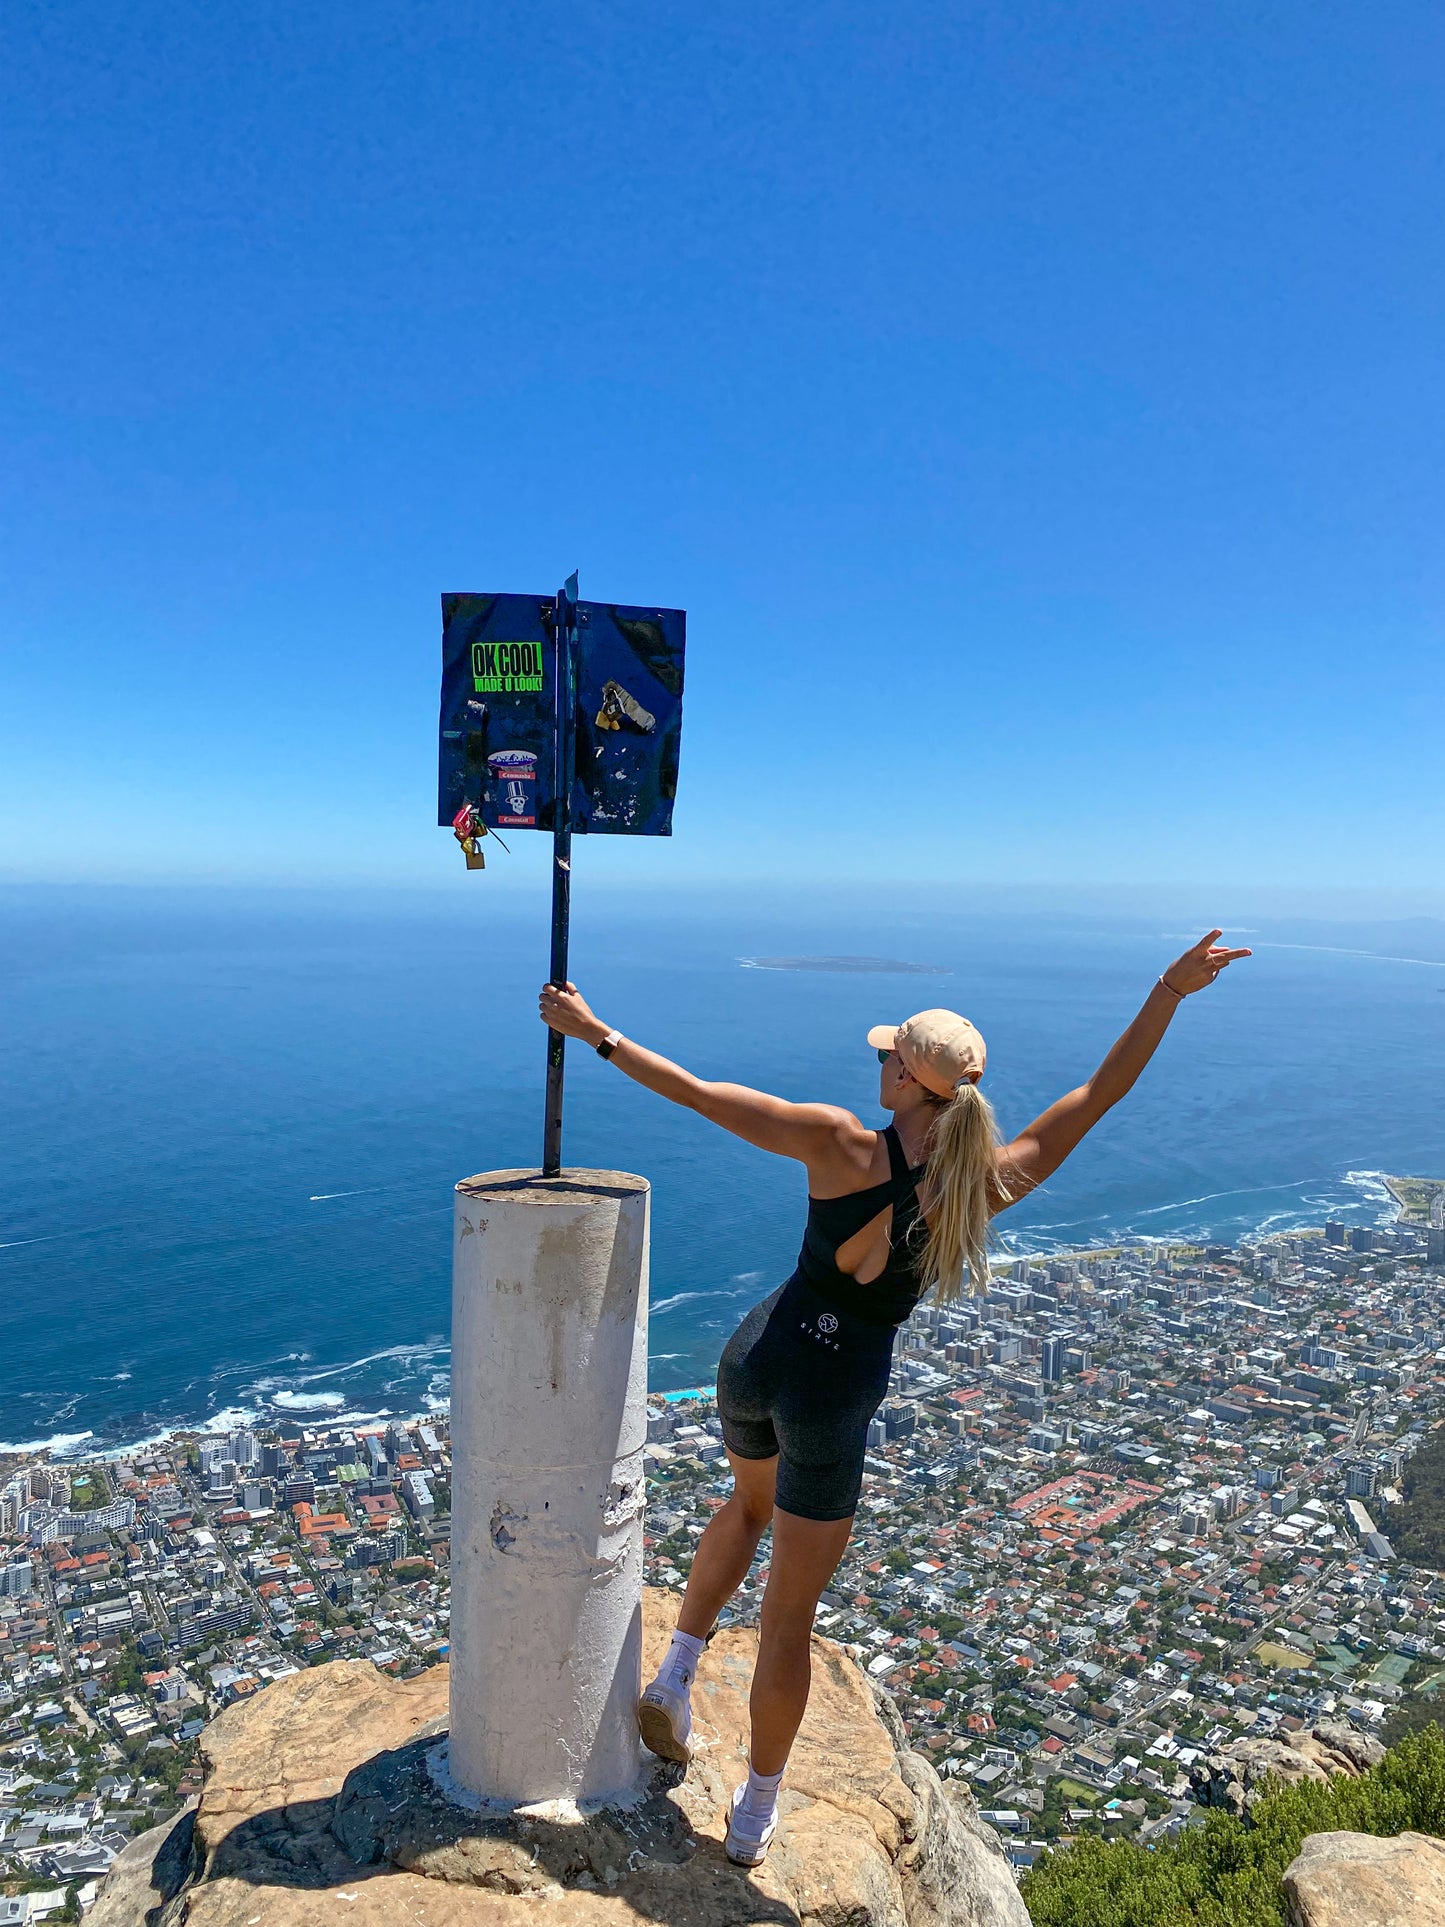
417, 1494
1051, 1360
119, 1517
899, 1418
17, 1580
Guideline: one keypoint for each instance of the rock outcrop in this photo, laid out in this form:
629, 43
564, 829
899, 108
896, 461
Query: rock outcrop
1235, 1776
146, 1872
1359, 1880
322, 1804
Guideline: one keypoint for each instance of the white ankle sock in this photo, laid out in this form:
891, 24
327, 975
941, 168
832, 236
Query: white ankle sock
680, 1666
760, 1801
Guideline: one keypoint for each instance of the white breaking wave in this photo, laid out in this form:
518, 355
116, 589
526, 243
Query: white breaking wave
1373, 1184
1319, 1198
403, 1353
230, 1418
309, 1401
679, 1298
1374, 956
747, 1279
57, 1445
1245, 1191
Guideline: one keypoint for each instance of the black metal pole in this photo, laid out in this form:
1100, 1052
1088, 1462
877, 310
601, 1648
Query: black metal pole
564, 682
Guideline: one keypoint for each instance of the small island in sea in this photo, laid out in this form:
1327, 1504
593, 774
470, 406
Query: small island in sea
873, 966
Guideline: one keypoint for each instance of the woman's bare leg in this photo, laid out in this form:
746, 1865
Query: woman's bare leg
805, 1554
726, 1548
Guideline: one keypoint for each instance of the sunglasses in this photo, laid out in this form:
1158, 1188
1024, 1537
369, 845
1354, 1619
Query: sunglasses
883, 1055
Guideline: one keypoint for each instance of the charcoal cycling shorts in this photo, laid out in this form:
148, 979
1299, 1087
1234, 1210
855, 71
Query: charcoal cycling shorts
799, 1381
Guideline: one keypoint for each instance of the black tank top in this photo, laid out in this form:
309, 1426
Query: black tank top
892, 1295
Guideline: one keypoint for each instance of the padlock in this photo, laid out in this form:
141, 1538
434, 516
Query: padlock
617, 704
469, 829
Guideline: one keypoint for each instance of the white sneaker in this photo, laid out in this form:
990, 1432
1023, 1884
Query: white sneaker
664, 1719
744, 1846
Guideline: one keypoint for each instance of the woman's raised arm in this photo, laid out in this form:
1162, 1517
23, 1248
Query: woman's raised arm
1037, 1152
803, 1131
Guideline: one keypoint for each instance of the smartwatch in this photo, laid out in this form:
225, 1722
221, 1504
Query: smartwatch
609, 1043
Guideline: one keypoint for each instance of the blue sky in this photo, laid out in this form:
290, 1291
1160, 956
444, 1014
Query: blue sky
1038, 410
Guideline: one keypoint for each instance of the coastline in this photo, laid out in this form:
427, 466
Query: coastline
1414, 1196
270, 1400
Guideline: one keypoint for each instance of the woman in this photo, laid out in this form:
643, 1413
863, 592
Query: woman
891, 1215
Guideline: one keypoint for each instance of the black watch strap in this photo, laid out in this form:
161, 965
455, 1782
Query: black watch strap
609, 1043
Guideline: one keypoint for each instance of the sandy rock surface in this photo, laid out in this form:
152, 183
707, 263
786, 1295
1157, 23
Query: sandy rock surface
1357, 1880
319, 1807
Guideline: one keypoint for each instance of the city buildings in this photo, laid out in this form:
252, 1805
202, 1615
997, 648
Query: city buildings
1127, 1505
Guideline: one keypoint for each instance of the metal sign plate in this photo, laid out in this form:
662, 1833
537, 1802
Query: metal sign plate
498, 714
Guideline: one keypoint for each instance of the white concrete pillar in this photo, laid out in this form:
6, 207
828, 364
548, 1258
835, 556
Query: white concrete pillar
549, 1418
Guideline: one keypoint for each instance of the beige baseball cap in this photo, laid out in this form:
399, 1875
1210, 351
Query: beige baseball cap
939, 1047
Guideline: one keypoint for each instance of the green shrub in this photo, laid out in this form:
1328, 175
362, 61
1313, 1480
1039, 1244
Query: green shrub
1225, 1874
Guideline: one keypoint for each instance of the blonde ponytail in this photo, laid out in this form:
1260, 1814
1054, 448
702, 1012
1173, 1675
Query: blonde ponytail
961, 1193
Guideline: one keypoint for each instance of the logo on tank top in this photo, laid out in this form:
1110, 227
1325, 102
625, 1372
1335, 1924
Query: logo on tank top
821, 1331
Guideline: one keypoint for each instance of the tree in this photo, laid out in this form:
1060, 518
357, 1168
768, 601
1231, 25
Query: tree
1417, 1528
1412, 1715
1225, 1873
127, 1676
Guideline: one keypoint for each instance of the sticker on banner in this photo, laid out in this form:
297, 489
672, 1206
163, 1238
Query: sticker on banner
514, 773
506, 668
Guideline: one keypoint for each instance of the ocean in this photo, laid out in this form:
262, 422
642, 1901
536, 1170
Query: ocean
230, 1121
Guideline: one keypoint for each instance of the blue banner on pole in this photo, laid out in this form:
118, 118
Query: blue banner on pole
499, 714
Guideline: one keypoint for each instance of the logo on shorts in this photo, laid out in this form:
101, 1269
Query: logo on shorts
827, 1322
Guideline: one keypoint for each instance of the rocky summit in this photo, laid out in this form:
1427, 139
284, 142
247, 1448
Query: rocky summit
1360, 1880
1238, 1775
321, 1805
